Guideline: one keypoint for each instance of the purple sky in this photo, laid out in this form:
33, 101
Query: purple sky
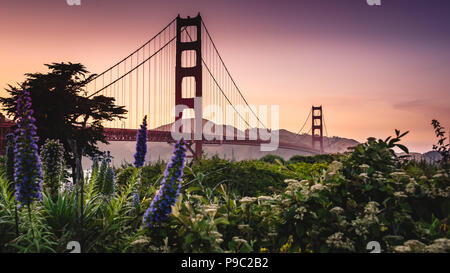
373, 69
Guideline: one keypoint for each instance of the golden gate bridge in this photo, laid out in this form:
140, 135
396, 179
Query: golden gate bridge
179, 66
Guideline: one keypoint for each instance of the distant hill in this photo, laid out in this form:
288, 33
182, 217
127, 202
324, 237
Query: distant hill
286, 138
430, 157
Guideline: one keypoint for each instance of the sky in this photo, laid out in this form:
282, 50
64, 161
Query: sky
372, 68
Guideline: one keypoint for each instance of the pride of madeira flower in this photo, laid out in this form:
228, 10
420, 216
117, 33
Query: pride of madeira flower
169, 191
27, 165
141, 144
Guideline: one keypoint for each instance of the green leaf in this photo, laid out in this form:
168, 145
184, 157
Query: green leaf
221, 221
189, 239
192, 189
404, 134
403, 148
299, 230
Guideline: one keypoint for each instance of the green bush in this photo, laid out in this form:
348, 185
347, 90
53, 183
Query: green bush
273, 159
322, 158
251, 177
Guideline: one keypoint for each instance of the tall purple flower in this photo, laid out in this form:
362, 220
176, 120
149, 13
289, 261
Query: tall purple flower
169, 191
27, 165
141, 144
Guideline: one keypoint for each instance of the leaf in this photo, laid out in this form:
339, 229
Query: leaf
200, 177
221, 221
246, 248
404, 134
403, 148
188, 239
299, 230
192, 189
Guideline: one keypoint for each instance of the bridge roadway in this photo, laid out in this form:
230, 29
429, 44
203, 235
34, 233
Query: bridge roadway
114, 134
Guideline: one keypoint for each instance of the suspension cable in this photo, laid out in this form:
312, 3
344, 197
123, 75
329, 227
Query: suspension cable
325, 125
220, 88
131, 54
229, 74
137, 66
305, 122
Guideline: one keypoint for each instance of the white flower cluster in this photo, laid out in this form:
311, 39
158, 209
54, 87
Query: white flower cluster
334, 167
400, 194
247, 200
361, 225
210, 210
217, 237
337, 211
300, 213
317, 187
410, 188
441, 245
435, 192
263, 198
239, 240
337, 241
371, 208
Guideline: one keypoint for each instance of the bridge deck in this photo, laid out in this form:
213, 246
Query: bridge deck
113, 134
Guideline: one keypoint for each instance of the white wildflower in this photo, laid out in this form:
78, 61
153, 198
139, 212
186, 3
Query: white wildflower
415, 246
372, 208
335, 166
400, 194
410, 188
265, 198
337, 210
402, 249
337, 241
247, 200
317, 187
363, 175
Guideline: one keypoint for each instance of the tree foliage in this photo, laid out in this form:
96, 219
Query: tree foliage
62, 108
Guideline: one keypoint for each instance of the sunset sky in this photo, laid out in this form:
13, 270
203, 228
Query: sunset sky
373, 68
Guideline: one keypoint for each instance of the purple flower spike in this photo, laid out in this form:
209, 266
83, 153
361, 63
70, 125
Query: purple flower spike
27, 164
168, 193
141, 144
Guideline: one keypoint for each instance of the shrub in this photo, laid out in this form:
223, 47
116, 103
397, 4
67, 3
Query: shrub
322, 158
250, 177
273, 159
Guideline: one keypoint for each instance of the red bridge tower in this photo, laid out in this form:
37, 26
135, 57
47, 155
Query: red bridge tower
192, 71
317, 125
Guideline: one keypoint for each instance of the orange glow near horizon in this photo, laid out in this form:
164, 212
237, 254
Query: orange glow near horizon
371, 77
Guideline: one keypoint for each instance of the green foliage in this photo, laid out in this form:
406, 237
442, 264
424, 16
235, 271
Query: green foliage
321, 158
378, 154
109, 182
273, 159
307, 170
251, 177
250, 206
52, 158
103, 177
9, 163
441, 147
62, 109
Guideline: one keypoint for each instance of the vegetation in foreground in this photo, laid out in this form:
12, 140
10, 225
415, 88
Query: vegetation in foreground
337, 205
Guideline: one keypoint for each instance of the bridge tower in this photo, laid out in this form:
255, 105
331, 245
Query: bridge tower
192, 71
317, 127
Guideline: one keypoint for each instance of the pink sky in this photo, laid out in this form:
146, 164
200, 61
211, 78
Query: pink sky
374, 69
